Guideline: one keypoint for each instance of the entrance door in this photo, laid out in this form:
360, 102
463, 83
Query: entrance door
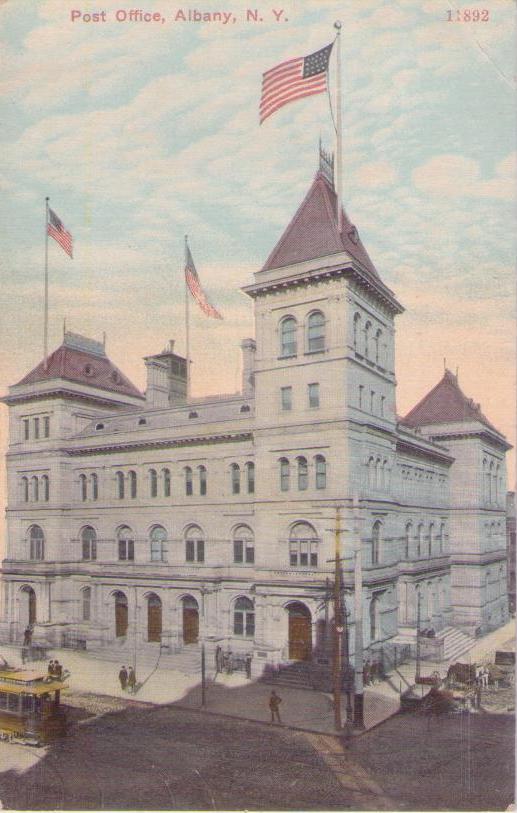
121, 615
154, 619
300, 633
190, 621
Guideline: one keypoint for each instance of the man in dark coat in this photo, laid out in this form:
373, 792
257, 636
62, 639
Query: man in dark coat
27, 636
131, 680
123, 676
274, 703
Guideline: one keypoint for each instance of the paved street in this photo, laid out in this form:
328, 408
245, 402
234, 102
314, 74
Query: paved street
137, 756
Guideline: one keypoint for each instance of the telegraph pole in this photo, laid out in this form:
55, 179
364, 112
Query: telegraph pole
358, 606
338, 624
417, 667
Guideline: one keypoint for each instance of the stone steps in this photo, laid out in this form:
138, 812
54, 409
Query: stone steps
455, 643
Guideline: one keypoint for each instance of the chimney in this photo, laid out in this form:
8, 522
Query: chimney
166, 378
248, 347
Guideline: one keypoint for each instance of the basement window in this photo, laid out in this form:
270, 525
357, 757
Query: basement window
99, 426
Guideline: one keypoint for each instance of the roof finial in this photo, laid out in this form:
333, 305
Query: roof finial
327, 164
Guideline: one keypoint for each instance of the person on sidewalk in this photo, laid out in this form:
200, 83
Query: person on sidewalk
122, 676
27, 636
51, 669
274, 703
248, 666
131, 680
58, 670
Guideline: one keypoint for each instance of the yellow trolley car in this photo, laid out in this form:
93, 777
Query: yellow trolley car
30, 709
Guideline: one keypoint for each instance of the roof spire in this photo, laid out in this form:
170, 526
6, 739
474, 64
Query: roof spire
327, 165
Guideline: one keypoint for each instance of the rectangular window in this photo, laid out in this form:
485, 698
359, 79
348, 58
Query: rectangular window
314, 560
46, 426
286, 394
238, 623
372, 401
293, 555
304, 556
189, 551
131, 549
26, 434
314, 396
122, 551
361, 396
238, 550
250, 625
36, 427
201, 550
250, 555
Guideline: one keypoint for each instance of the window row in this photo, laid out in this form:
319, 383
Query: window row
378, 473
314, 334
301, 473
313, 397
35, 488
370, 401
418, 543
368, 340
36, 428
492, 482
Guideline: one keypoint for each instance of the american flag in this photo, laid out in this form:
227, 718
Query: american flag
294, 79
196, 290
57, 231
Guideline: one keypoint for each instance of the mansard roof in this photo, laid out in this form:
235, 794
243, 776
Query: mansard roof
82, 361
446, 403
313, 232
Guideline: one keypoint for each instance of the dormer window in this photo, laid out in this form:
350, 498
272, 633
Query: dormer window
88, 370
115, 377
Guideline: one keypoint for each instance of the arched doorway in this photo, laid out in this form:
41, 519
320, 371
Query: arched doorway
121, 615
190, 620
154, 618
300, 631
28, 607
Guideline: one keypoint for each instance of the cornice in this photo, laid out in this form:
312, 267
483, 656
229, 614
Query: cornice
106, 448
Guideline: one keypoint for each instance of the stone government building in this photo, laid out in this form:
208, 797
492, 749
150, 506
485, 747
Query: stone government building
213, 519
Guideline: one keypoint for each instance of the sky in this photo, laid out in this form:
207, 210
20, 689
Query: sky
142, 132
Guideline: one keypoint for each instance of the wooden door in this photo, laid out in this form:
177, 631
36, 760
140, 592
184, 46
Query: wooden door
190, 625
300, 638
121, 618
154, 621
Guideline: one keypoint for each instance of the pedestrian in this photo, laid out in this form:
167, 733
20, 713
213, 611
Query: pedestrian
229, 662
58, 670
131, 680
373, 672
51, 669
248, 666
27, 636
122, 676
479, 675
366, 673
274, 703
486, 675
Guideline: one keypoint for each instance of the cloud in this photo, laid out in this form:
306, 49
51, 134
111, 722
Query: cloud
375, 175
458, 176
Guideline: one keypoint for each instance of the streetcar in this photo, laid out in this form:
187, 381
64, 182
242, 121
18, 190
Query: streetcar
30, 707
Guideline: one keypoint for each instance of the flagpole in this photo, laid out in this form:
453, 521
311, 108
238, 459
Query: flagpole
339, 131
45, 315
187, 321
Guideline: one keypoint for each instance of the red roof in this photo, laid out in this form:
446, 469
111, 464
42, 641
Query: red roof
446, 403
91, 369
313, 232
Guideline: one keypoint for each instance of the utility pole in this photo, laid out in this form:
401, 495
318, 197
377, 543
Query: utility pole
338, 624
358, 606
203, 654
417, 668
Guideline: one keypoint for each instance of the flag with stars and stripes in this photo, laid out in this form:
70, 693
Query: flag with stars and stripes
57, 231
194, 286
294, 79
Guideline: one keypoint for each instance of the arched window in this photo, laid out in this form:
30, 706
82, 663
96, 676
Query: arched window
83, 487
166, 474
37, 543
303, 473
126, 544
357, 328
288, 345
378, 346
250, 477
236, 478
431, 537
371, 472
194, 545
303, 546
154, 618
25, 489
132, 484
367, 334
376, 542
419, 539
243, 545
385, 474
316, 332
407, 540
120, 484
35, 489
188, 481
321, 471
202, 480
153, 483
86, 603
244, 617
158, 544
88, 543
284, 474
94, 482
374, 618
